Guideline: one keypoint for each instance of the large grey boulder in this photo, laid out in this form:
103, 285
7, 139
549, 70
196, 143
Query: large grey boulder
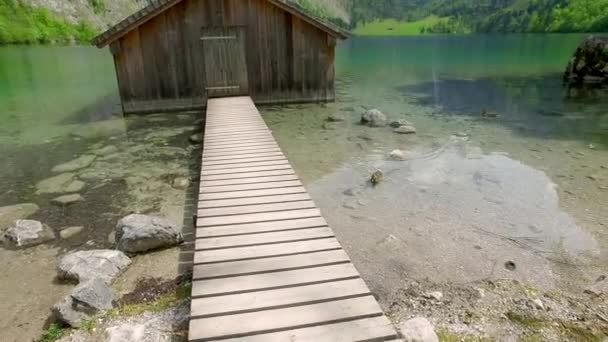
28, 233
12, 213
86, 300
140, 233
76, 164
373, 118
62, 183
589, 64
86, 265
418, 329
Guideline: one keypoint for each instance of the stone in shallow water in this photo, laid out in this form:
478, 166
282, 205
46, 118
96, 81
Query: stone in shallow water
399, 123
85, 265
373, 118
140, 233
12, 213
334, 117
405, 130
67, 199
70, 232
76, 164
397, 155
181, 183
86, 300
196, 138
27, 233
62, 183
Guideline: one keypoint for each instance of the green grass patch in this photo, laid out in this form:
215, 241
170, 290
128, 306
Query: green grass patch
392, 27
447, 336
53, 333
162, 303
526, 320
23, 24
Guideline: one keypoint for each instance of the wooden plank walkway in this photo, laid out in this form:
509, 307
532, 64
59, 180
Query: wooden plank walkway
266, 266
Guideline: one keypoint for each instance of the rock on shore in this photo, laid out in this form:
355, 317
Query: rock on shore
418, 329
86, 300
86, 265
140, 233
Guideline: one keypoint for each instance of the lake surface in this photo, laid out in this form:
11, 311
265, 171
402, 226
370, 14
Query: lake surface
528, 186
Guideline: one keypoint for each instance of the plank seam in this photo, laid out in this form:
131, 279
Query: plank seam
265, 243
268, 256
203, 216
263, 221
269, 288
255, 233
301, 326
230, 191
276, 270
233, 198
283, 306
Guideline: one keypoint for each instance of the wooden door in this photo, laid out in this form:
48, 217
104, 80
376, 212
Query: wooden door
225, 62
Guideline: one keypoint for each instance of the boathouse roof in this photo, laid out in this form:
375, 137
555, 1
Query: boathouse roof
157, 7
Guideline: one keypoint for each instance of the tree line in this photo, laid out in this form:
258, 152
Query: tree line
487, 16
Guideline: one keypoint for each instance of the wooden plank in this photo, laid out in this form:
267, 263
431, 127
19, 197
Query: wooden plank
244, 165
251, 186
241, 325
282, 263
243, 149
252, 174
243, 171
264, 251
259, 217
269, 179
263, 238
260, 227
366, 329
239, 161
238, 139
257, 208
254, 193
264, 300
233, 202
271, 153
265, 281
265, 141
230, 154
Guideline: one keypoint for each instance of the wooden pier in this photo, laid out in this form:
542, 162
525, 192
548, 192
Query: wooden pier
267, 267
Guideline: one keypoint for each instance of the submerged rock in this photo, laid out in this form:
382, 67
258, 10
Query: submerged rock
181, 183
397, 155
376, 177
196, 138
405, 130
62, 183
335, 117
399, 123
86, 300
76, 164
589, 64
70, 232
66, 200
28, 233
85, 265
10, 214
418, 329
373, 118
140, 233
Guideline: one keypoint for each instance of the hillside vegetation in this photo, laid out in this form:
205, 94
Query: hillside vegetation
484, 16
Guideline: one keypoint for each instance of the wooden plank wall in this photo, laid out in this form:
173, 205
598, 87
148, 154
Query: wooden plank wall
160, 65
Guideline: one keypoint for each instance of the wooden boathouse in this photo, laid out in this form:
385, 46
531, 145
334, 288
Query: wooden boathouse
175, 54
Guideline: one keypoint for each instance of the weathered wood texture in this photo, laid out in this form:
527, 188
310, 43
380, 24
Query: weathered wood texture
279, 57
266, 265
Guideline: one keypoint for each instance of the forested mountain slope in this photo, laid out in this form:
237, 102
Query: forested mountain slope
461, 16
